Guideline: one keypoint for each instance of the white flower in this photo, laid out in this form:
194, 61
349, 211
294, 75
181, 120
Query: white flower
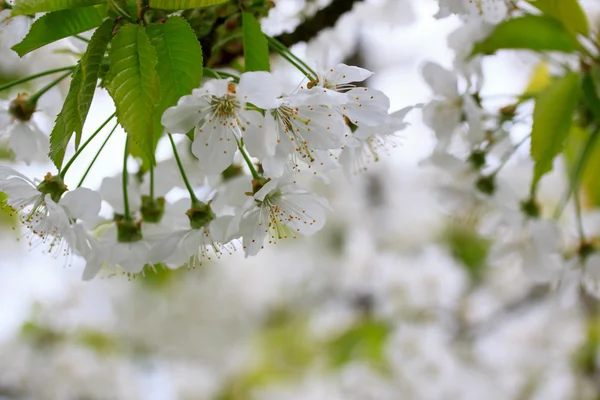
280, 209
122, 245
219, 116
367, 141
25, 198
445, 114
493, 11
195, 234
464, 38
26, 140
49, 215
534, 244
364, 105
295, 127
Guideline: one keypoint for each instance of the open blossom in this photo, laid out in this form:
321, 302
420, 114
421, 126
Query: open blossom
366, 142
280, 210
49, 215
296, 127
534, 244
26, 140
195, 234
445, 113
218, 115
364, 105
493, 11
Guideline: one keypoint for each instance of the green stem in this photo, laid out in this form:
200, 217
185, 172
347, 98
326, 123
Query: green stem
221, 74
89, 168
280, 47
127, 212
255, 174
152, 181
509, 156
294, 63
35, 76
578, 216
82, 38
579, 167
84, 145
36, 96
183, 175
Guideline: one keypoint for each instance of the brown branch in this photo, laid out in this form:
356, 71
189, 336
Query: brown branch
325, 18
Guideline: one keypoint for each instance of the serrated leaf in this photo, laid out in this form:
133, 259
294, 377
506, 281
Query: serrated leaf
179, 65
552, 120
183, 4
78, 100
133, 83
58, 25
530, 32
23, 7
569, 12
256, 47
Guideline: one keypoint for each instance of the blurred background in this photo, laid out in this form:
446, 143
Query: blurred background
394, 299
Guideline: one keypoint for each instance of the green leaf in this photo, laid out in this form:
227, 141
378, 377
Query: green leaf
569, 12
23, 7
183, 4
365, 342
78, 100
552, 120
179, 65
256, 47
58, 25
530, 32
133, 83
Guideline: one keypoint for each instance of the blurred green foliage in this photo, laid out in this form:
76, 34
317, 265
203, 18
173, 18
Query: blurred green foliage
468, 247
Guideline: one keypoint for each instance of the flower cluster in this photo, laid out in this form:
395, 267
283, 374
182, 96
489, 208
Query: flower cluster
475, 143
249, 143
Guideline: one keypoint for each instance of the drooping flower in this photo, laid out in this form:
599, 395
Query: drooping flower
280, 210
366, 142
447, 111
219, 115
195, 236
26, 140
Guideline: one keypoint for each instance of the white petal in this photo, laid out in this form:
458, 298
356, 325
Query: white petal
260, 89
214, 145
310, 213
28, 143
183, 117
82, 203
266, 189
343, 73
443, 82
367, 106
218, 87
258, 137
253, 229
